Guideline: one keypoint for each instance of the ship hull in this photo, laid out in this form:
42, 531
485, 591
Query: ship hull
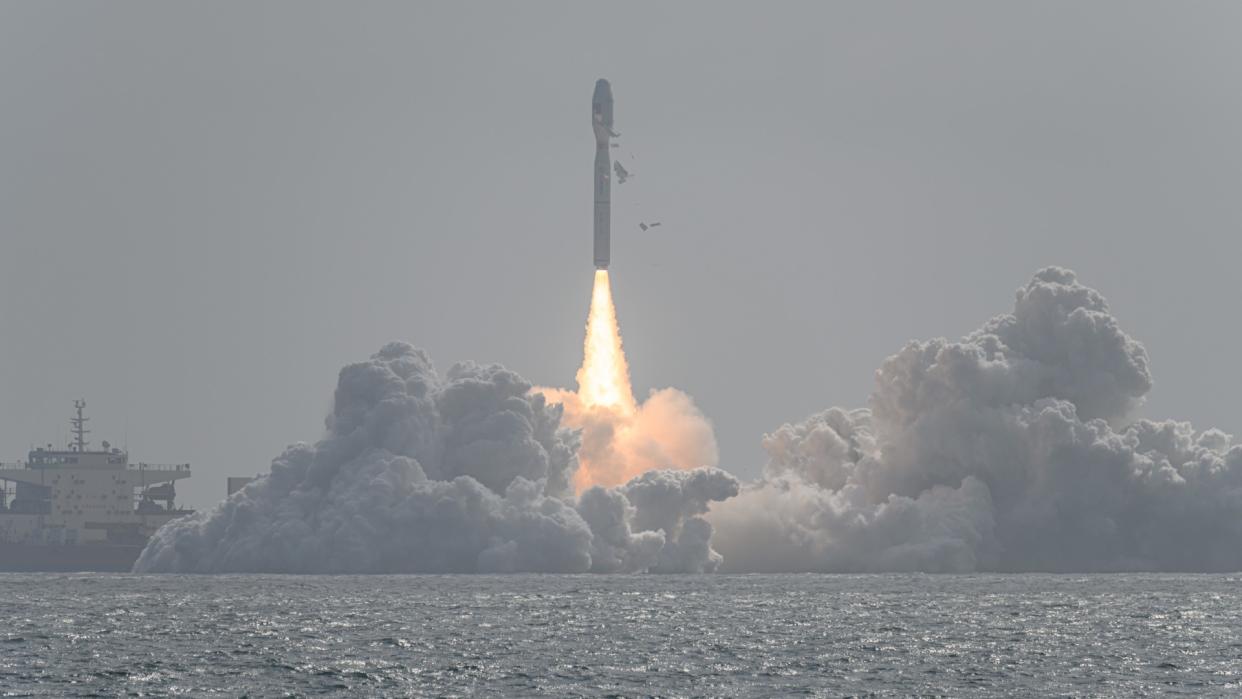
40, 558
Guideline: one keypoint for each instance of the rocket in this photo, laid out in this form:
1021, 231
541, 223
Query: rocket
601, 122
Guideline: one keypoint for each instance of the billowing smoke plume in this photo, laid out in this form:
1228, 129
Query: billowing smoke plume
466, 472
1013, 449
622, 438
1010, 450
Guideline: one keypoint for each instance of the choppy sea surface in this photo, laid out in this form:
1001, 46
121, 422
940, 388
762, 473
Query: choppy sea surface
985, 635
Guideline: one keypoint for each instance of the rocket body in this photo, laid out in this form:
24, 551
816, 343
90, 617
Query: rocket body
601, 123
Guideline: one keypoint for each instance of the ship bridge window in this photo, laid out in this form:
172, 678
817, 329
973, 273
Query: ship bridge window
52, 460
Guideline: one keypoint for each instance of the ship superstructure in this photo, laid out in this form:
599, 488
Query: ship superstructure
81, 509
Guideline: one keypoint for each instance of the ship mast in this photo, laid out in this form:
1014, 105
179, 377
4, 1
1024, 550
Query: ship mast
79, 427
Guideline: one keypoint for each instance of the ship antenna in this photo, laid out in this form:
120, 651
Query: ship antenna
79, 426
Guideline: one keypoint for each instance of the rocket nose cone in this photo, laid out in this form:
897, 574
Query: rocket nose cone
603, 91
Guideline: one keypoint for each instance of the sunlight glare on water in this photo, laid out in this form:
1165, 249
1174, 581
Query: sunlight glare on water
984, 635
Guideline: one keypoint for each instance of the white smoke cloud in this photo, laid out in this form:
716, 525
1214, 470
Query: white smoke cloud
469, 472
1011, 450
1014, 449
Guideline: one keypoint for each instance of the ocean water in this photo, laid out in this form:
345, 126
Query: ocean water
984, 635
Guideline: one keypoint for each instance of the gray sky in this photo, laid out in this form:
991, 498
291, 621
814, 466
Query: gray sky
207, 209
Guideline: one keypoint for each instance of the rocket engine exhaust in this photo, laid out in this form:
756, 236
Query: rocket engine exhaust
604, 379
623, 438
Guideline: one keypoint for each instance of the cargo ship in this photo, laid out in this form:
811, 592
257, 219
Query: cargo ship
79, 509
